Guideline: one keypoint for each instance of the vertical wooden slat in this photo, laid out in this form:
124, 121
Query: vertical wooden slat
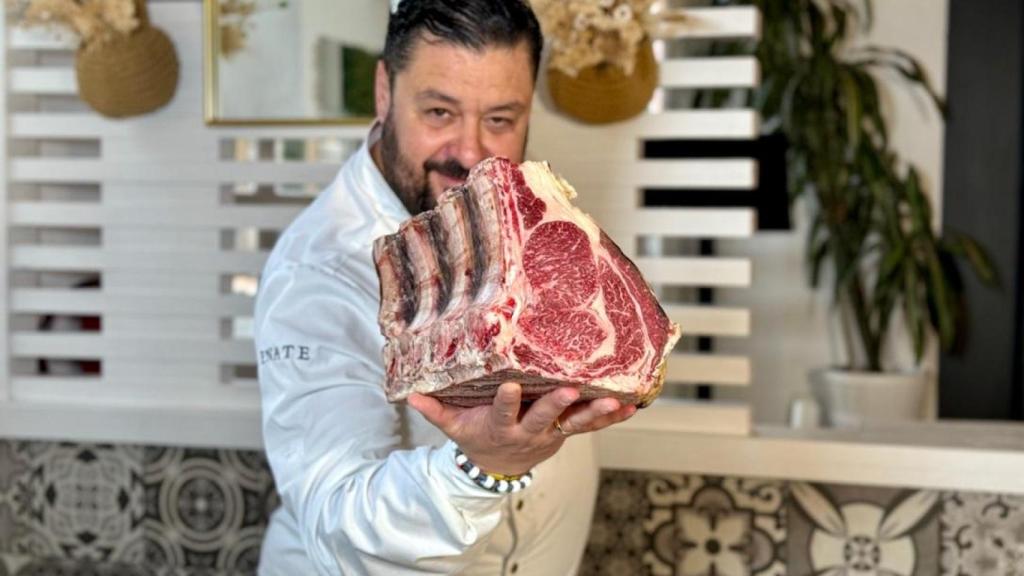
5, 381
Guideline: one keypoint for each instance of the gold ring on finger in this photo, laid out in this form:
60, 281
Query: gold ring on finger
558, 426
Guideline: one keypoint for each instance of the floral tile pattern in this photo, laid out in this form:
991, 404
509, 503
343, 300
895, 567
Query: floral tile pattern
25, 566
13, 472
97, 509
687, 525
848, 531
206, 509
74, 501
617, 539
8, 564
171, 571
101, 510
982, 534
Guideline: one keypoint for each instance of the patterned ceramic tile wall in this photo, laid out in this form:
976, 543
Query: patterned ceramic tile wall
840, 530
74, 501
687, 525
982, 534
206, 508
100, 510
655, 524
83, 510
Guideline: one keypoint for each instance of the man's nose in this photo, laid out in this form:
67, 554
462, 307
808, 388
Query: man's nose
471, 149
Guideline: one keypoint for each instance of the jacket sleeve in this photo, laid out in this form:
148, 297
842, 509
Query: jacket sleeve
363, 504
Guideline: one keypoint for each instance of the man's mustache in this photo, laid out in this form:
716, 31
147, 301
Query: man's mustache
450, 168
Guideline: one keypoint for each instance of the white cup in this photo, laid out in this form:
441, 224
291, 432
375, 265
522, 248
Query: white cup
804, 412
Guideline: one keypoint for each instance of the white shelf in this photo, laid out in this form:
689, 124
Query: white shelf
945, 456
176, 426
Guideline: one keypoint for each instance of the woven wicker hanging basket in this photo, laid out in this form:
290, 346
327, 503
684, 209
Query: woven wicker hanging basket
130, 75
604, 93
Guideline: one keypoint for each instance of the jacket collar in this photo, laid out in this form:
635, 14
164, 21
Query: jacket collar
368, 177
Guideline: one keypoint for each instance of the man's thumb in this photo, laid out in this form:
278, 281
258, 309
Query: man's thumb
431, 409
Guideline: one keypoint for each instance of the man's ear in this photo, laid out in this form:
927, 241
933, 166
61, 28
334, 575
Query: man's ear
382, 91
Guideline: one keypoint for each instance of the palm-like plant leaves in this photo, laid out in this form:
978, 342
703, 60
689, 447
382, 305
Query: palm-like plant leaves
871, 222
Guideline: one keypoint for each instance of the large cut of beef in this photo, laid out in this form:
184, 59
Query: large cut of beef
506, 280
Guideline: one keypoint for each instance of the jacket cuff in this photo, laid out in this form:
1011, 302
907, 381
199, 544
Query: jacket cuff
465, 493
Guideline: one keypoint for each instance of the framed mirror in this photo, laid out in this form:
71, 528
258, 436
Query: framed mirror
270, 62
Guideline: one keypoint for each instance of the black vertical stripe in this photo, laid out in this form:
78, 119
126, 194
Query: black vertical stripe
983, 196
479, 241
439, 242
406, 280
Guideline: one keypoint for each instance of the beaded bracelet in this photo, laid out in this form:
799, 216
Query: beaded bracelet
493, 482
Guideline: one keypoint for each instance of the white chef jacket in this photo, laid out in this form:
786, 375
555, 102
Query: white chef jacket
369, 487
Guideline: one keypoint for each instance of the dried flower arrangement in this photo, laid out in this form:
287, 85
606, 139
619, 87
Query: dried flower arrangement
234, 25
96, 22
233, 21
586, 33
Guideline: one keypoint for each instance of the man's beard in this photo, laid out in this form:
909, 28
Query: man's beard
400, 173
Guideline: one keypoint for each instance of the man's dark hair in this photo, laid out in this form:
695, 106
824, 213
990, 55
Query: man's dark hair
474, 24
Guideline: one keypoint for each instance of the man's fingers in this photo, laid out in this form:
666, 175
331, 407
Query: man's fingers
542, 414
505, 410
596, 415
582, 414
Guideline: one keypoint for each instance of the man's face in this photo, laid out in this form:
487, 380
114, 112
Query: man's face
450, 108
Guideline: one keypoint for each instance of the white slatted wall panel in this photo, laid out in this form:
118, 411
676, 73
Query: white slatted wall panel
606, 166
174, 219
5, 383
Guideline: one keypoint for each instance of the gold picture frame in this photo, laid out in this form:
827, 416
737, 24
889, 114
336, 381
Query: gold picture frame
213, 87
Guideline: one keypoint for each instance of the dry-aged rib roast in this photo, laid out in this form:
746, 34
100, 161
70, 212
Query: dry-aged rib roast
505, 280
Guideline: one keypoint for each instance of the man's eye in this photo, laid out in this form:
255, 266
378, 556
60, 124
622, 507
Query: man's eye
499, 122
438, 113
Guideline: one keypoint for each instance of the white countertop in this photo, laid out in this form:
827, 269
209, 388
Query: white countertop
968, 456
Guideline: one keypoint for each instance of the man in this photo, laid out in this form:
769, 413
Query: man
368, 487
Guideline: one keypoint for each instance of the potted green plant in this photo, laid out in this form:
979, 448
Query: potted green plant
871, 223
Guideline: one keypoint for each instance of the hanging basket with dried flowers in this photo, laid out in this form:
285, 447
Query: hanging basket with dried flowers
124, 66
605, 93
601, 66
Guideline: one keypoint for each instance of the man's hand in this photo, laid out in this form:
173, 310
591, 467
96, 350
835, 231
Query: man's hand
497, 440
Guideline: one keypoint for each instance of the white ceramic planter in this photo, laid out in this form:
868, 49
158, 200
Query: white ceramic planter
851, 399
